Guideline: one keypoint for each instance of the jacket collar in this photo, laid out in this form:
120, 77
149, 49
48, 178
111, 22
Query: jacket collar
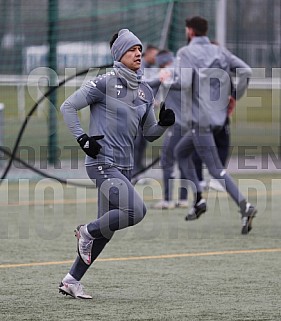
203, 40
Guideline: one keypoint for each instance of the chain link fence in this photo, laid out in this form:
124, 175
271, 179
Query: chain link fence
66, 34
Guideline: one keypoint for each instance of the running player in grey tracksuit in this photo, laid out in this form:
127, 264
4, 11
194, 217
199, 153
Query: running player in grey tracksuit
205, 68
119, 102
165, 61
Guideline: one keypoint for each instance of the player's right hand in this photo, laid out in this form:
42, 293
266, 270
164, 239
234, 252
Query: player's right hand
90, 145
231, 105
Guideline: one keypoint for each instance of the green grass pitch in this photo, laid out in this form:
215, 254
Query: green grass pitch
162, 269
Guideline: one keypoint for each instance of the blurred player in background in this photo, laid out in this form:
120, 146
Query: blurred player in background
222, 140
148, 57
205, 68
148, 62
119, 103
165, 61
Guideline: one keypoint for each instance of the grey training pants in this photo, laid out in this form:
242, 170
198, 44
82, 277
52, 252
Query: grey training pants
119, 206
202, 140
172, 137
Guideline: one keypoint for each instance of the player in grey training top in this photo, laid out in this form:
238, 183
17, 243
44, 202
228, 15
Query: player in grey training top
205, 68
119, 102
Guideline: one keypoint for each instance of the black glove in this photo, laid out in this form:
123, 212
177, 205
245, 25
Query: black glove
166, 116
90, 145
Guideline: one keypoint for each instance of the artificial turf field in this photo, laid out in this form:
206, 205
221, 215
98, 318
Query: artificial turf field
161, 269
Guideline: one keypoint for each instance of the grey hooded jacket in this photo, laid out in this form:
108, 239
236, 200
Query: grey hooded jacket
206, 68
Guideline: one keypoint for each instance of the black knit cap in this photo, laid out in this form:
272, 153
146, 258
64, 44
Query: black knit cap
198, 24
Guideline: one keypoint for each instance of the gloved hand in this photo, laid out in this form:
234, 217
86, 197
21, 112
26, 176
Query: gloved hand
166, 116
90, 145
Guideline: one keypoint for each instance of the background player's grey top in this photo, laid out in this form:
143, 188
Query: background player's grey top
172, 95
206, 68
119, 102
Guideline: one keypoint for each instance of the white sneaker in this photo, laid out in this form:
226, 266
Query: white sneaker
164, 205
215, 184
73, 289
182, 204
84, 244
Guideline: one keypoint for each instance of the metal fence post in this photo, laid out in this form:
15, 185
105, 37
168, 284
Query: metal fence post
221, 25
2, 156
52, 62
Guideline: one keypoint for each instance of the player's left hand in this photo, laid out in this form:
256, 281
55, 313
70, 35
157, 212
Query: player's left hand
166, 116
